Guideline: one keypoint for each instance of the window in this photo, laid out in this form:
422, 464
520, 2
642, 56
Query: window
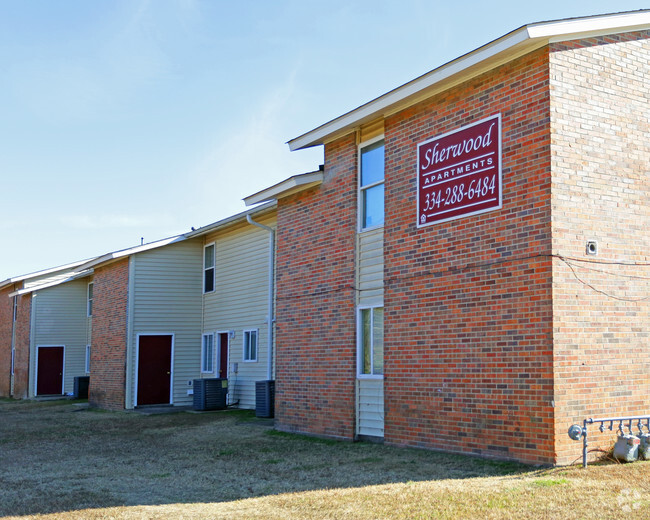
371, 342
87, 359
207, 354
90, 299
15, 308
250, 345
371, 185
208, 268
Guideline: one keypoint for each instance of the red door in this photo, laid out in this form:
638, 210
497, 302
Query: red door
154, 369
49, 377
223, 354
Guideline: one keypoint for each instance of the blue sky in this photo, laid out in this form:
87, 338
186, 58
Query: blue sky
122, 119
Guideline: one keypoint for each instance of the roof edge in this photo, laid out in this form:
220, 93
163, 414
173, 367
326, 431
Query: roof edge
294, 184
23, 277
488, 56
75, 276
116, 255
241, 216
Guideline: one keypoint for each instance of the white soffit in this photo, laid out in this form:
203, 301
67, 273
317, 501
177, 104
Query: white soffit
21, 278
52, 283
285, 188
500, 51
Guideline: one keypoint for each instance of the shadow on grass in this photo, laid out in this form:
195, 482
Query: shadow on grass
54, 460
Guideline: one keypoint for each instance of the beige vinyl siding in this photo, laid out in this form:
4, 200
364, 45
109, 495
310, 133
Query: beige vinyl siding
240, 302
370, 281
370, 416
370, 130
370, 267
59, 319
167, 300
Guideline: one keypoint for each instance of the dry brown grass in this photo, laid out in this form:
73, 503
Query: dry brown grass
60, 460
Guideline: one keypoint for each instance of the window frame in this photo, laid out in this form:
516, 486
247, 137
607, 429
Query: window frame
360, 374
204, 368
213, 267
247, 334
90, 297
15, 308
361, 188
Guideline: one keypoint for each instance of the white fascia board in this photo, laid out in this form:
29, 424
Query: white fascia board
116, 255
491, 55
573, 28
286, 187
45, 285
398, 97
220, 224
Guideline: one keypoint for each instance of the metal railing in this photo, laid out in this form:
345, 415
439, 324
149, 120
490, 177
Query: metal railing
576, 432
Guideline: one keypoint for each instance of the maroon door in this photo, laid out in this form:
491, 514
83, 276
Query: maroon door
223, 354
154, 369
49, 377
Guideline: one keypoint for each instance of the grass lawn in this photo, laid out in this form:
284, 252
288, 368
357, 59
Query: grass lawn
60, 460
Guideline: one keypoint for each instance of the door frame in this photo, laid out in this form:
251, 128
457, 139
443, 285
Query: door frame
36, 369
229, 334
137, 365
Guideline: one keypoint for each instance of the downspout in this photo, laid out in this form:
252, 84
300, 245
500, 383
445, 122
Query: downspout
270, 320
14, 311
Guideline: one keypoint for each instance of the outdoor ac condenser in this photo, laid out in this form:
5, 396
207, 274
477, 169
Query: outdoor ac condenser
210, 394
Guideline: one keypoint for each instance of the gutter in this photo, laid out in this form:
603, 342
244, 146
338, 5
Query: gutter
270, 318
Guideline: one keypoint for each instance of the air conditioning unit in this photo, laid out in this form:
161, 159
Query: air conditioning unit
80, 389
264, 398
210, 394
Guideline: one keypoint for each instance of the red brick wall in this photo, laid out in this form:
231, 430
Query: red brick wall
6, 327
468, 332
601, 130
108, 346
22, 346
315, 358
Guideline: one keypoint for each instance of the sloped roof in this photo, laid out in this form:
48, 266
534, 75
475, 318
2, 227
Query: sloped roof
502, 50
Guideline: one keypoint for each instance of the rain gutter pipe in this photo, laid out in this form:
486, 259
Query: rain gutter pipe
270, 320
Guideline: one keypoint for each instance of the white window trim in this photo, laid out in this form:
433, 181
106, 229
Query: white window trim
203, 371
257, 345
89, 300
15, 308
214, 267
365, 144
87, 359
360, 345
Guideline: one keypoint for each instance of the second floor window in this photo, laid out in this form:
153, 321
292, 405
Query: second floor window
90, 299
208, 269
371, 184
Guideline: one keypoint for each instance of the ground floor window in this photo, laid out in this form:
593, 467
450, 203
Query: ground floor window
370, 360
250, 345
207, 353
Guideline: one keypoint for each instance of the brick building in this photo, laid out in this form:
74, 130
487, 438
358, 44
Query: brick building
469, 270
